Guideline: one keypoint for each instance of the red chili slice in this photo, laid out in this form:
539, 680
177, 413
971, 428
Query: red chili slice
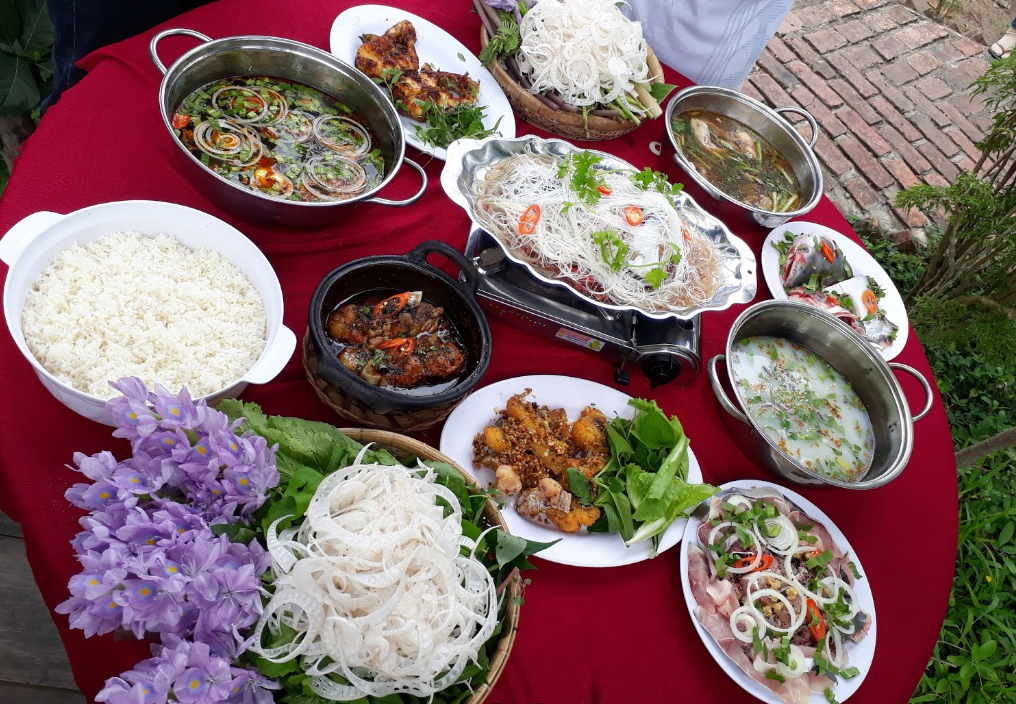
180, 121
527, 223
763, 564
633, 214
818, 630
400, 345
605, 190
827, 252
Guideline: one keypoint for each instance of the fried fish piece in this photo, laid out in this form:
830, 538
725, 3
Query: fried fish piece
444, 88
395, 49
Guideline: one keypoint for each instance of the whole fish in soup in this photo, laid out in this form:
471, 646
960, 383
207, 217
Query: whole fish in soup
737, 160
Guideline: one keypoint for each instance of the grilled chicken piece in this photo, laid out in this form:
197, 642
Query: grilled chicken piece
395, 49
445, 89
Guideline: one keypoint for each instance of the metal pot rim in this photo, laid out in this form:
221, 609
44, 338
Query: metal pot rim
807, 152
210, 47
906, 419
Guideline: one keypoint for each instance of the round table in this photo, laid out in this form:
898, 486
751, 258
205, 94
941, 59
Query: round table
586, 635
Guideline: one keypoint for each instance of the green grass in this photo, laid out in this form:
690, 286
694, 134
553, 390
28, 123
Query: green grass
973, 356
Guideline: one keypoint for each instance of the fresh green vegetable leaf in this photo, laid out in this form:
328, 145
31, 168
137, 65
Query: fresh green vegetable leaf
36, 33
442, 125
10, 25
512, 550
660, 91
504, 43
18, 90
578, 485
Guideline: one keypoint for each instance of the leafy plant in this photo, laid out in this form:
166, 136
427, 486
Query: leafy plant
974, 661
976, 255
26, 65
972, 352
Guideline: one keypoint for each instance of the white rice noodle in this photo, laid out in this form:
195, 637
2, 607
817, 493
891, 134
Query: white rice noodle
130, 304
561, 245
376, 586
586, 50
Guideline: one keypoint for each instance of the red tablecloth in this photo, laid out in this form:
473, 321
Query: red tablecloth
586, 635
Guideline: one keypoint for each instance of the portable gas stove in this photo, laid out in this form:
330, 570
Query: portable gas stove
664, 349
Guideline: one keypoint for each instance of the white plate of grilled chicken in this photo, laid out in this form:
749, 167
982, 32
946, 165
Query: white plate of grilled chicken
581, 549
434, 64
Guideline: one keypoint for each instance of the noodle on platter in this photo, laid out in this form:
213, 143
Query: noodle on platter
563, 244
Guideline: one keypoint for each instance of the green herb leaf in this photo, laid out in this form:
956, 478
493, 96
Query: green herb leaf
578, 485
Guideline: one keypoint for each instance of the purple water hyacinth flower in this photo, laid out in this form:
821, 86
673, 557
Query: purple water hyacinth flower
150, 561
251, 687
176, 411
134, 419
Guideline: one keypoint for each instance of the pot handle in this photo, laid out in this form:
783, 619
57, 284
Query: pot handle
275, 358
469, 271
924, 384
807, 116
24, 231
721, 395
169, 33
411, 199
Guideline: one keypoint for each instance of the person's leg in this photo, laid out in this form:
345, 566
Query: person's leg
1004, 46
82, 26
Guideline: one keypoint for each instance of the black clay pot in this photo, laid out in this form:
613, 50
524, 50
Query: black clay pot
401, 273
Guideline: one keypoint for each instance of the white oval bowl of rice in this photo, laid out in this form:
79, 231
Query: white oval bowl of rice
155, 290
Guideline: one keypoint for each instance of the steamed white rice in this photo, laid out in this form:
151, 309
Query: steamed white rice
137, 305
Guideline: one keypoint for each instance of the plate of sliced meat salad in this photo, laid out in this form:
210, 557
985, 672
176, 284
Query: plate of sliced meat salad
418, 62
777, 595
820, 267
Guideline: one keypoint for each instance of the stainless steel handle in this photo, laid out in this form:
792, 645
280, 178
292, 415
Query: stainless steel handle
721, 395
924, 384
413, 198
168, 33
807, 116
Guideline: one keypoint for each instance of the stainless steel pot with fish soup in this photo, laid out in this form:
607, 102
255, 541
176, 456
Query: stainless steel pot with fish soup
278, 131
813, 400
740, 151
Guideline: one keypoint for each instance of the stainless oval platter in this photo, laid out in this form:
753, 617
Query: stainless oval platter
469, 159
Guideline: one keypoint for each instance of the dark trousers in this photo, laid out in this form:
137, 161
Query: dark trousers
82, 26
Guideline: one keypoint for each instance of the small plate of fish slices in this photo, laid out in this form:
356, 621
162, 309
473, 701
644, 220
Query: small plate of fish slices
834, 273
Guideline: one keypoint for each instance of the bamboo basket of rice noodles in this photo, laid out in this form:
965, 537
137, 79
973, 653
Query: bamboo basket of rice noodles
394, 576
576, 68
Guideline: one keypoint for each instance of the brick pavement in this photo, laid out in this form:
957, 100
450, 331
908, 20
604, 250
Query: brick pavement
890, 90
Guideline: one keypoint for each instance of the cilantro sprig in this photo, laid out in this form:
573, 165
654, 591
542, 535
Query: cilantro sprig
579, 168
442, 126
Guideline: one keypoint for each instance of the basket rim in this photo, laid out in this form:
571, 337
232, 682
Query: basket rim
504, 645
593, 123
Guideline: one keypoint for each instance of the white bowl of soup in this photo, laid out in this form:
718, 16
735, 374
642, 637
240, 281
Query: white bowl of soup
742, 152
813, 400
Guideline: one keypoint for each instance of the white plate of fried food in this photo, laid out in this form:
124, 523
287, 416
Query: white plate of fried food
581, 549
404, 42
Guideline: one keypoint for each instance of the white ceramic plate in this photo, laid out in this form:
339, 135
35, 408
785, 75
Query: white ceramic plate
860, 654
860, 262
433, 46
581, 549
